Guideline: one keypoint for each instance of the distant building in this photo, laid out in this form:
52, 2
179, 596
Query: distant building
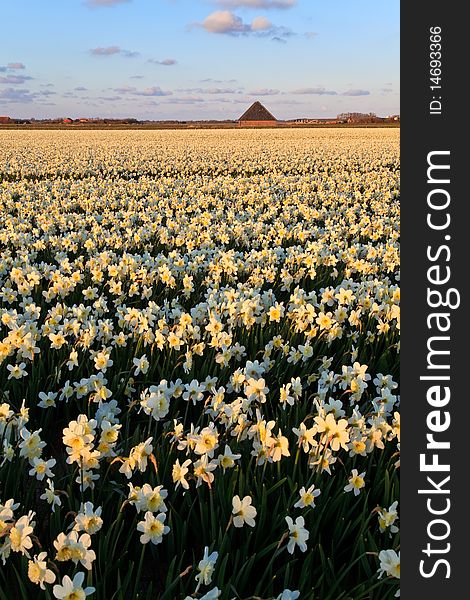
356, 117
5, 119
257, 116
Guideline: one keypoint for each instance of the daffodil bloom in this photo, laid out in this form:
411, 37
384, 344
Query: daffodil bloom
152, 528
387, 518
31, 444
41, 468
206, 441
298, 535
38, 572
20, 534
228, 458
141, 365
17, 371
305, 436
50, 495
206, 568
203, 470
75, 547
307, 497
151, 499
243, 512
179, 473
389, 563
47, 400
89, 519
72, 589
356, 482
288, 595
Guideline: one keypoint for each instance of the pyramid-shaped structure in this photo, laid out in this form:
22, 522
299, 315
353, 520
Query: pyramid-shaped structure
257, 113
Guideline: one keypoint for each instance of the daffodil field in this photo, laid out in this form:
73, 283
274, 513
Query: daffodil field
199, 364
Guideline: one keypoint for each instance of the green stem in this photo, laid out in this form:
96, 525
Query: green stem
139, 570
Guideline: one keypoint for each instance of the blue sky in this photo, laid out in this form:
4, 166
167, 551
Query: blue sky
198, 59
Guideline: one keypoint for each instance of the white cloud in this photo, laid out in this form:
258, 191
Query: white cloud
317, 91
356, 93
126, 89
112, 50
15, 79
211, 80
217, 91
211, 91
153, 91
129, 53
108, 51
17, 95
187, 100
261, 24
223, 21
226, 22
150, 91
264, 92
109, 98
167, 62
